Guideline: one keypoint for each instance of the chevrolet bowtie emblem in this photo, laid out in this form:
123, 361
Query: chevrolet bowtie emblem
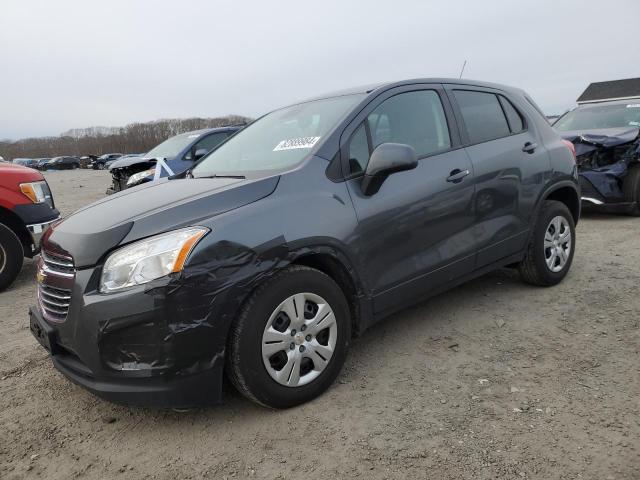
40, 276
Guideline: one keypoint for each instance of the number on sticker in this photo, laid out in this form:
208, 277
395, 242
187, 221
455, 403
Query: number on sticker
292, 143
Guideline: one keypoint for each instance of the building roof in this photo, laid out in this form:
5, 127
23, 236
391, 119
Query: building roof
611, 90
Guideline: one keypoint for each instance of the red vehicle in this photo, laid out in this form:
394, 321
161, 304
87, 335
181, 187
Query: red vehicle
26, 211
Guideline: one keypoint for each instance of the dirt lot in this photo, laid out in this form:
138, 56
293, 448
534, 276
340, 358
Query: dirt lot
494, 379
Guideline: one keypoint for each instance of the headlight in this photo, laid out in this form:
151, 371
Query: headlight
136, 177
149, 259
37, 192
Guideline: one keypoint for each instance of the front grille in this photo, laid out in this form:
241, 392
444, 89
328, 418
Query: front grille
58, 263
56, 274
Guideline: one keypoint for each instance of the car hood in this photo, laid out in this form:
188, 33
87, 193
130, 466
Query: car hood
149, 209
127, 162
606, 137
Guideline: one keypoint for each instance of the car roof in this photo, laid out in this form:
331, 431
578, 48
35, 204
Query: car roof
211, 130
387, 85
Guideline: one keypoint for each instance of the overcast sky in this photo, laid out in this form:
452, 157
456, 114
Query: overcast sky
78, 63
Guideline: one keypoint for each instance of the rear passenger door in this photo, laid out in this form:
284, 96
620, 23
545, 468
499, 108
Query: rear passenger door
509, 164
415, 233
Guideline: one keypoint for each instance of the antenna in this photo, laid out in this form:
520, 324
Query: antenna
461, 71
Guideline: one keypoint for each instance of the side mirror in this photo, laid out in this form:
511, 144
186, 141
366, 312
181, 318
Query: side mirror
386, 159
199, 153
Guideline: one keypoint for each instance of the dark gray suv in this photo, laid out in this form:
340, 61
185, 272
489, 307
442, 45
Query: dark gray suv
298, 233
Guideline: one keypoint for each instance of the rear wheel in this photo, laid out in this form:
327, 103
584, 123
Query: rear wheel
550, 251
631, 189
11, 256
101, 166
291, 339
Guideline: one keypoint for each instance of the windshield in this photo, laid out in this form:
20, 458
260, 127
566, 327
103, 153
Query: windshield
600, 116
173, 146
278, 140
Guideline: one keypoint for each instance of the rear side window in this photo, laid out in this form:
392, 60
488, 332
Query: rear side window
516, 123
413, 118
482, 114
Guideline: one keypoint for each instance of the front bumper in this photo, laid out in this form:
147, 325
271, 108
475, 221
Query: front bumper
136, 347
185, 392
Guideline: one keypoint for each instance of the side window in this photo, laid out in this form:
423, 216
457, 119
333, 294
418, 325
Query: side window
482, 114
358, 150
208, 143
413, 118
513, 116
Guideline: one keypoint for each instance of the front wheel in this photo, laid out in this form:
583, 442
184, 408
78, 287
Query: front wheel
551, 247
11, 256
291, 338
101, 166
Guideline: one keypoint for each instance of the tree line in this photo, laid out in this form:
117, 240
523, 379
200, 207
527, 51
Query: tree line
132, 138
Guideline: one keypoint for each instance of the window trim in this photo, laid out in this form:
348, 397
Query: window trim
501, 100
349, 131
449, 90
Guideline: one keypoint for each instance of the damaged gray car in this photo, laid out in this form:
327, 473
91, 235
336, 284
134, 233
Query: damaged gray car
606, 137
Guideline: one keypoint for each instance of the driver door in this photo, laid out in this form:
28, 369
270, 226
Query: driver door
416, 232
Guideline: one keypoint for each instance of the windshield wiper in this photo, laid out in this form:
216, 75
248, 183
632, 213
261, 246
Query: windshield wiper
241, 177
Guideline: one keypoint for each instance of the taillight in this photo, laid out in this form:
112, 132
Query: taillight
571, 147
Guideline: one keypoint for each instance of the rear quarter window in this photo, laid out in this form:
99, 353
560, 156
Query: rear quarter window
516, 122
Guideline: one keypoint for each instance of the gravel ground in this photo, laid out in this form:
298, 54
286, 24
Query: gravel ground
494, 379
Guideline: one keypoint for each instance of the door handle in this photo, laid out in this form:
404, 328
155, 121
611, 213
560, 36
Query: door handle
457, 175
529, 147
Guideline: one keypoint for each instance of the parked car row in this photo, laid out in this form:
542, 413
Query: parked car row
70, 162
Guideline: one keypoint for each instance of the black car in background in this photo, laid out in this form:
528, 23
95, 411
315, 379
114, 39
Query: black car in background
178, 154
41, 163
606, 137
100, 163
62, 163
302, 230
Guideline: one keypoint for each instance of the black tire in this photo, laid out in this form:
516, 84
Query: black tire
11, 256
101, 166
533, 268
631, 189
244, 365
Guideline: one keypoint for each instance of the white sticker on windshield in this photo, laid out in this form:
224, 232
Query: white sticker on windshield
292, 143
633, 105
